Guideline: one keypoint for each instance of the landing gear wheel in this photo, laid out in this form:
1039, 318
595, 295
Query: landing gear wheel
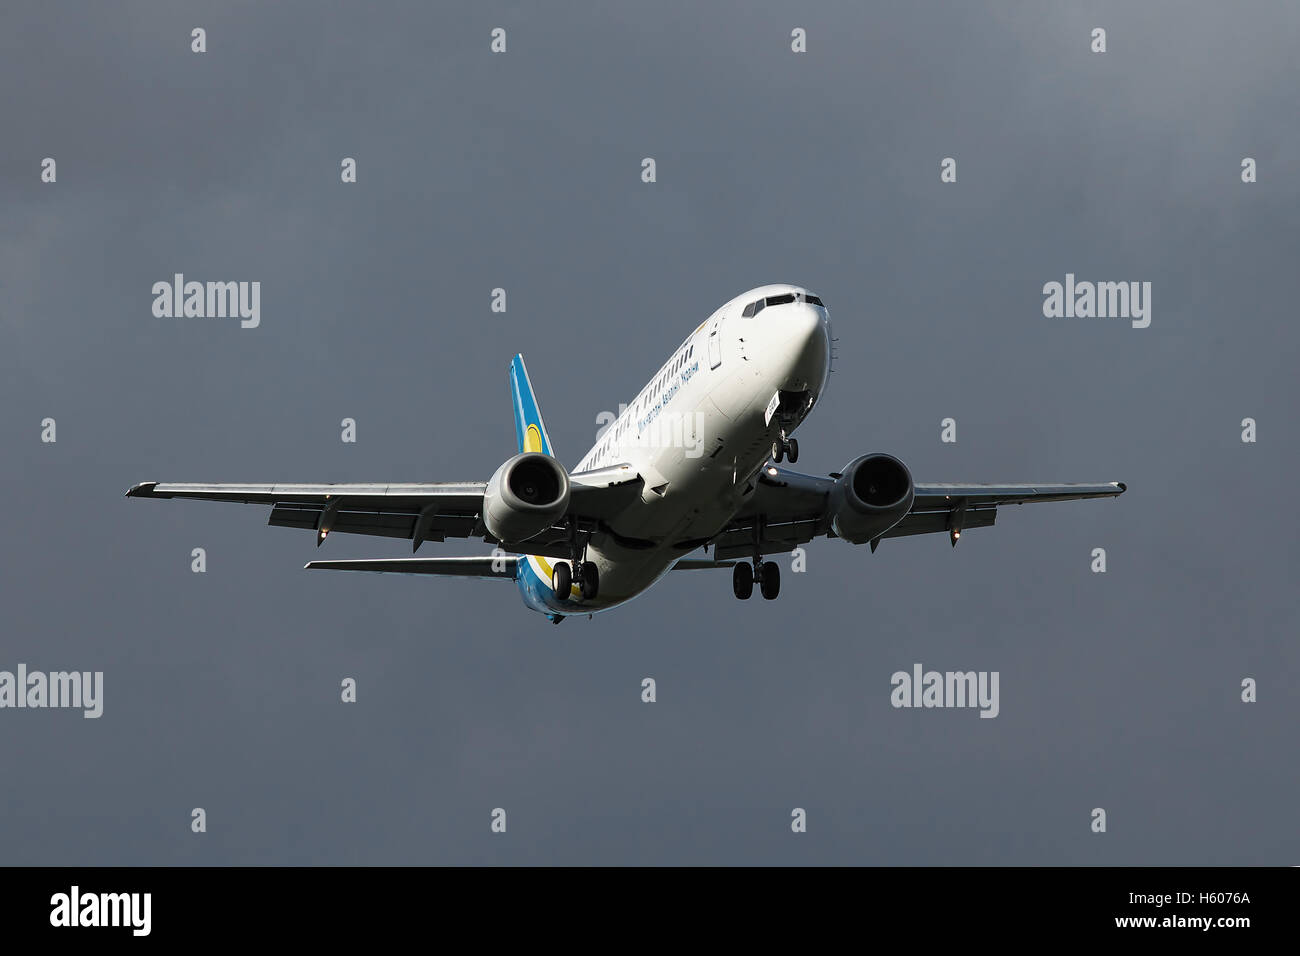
778, 451
588, 579
770, 580
792, 450
561, 580
742, 581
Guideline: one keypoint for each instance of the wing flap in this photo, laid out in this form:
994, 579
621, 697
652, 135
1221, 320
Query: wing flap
936, 522
738, 541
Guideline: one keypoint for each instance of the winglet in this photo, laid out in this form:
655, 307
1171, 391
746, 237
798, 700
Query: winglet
530, 430
142, 490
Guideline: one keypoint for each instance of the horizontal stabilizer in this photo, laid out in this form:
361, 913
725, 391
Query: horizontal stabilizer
486, 566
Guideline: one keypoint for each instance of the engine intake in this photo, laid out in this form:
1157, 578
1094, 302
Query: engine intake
528, 494
872, 494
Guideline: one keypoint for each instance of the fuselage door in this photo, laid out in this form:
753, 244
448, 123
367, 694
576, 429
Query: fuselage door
715, 345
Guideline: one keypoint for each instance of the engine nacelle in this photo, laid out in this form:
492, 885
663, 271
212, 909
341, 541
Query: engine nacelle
872, 495
527, 495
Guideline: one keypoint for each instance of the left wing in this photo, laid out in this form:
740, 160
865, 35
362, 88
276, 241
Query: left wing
958, 508
788, 509
420, 512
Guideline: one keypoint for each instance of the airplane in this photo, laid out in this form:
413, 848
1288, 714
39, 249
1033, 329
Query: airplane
693, 463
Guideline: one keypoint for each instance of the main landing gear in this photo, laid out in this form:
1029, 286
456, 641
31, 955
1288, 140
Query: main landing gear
785, 448
768, 574
561, 580
588, 578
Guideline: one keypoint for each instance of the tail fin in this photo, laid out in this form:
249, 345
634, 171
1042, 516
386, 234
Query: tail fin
530, 430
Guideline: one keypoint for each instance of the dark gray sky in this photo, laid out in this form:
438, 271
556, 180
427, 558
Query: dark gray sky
522, 171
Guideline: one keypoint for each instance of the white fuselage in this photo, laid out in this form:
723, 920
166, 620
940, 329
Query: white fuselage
697, 434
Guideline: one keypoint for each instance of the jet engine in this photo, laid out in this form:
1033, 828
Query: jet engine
527, 495
872, 494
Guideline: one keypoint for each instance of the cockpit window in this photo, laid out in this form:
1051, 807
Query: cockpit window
786, 298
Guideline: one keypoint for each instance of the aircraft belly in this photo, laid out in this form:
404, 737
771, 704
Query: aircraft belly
624, 574
701, 482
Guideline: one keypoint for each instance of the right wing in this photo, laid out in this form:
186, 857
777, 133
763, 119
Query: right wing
418, 512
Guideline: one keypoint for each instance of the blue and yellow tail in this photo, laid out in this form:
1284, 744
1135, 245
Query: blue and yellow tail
530, 430
532, 573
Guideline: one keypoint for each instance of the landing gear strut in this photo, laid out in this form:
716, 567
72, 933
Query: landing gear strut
588, 575
767, 573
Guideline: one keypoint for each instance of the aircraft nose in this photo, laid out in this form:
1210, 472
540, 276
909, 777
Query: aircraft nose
808, 328
807, 343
